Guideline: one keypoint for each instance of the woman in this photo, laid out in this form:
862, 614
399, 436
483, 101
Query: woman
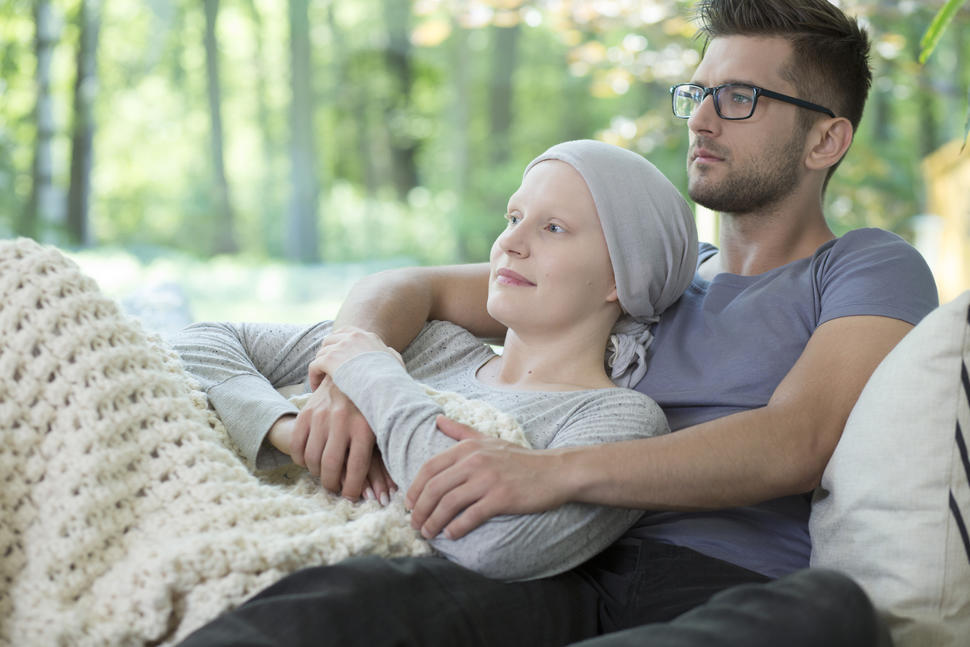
597, 244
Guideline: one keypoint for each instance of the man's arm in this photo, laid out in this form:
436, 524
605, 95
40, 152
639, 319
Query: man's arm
330, 436
395, 304
741, 459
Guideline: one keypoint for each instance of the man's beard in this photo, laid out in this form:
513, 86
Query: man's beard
766, 182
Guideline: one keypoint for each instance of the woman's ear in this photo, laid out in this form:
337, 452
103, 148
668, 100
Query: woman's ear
828, 142
612, 296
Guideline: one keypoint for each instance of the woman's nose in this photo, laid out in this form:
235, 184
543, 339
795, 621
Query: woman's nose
514, 240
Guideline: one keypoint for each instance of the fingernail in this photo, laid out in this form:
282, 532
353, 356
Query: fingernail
369, 494
384, 498
408, 504
426, 533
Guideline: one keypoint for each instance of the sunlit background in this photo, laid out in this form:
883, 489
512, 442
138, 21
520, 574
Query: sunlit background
249, 159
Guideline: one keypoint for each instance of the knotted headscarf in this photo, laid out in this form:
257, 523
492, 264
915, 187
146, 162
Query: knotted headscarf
651, 238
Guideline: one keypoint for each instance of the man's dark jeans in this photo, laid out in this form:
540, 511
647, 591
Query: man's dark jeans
650, 593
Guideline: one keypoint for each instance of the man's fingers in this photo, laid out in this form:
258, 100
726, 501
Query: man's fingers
431, 468
470, 518
449, 507
438, 497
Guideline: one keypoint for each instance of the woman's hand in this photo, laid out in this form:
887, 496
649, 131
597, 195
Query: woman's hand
352, 472
343, 345
479, 478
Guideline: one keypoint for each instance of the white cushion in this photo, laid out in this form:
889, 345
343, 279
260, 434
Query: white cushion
894, 503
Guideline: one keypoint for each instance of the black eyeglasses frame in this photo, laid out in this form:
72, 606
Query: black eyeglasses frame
758, 91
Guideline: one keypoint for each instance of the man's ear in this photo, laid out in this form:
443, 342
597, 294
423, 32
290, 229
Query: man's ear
827, 142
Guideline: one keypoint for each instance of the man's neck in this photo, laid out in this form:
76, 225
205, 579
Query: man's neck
753, 243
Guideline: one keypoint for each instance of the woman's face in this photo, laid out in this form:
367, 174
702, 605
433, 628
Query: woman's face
550, 268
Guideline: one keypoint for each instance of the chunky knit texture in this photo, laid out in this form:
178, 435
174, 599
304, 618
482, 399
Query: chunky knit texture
125, 516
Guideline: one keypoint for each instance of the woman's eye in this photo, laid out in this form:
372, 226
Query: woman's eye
512, 218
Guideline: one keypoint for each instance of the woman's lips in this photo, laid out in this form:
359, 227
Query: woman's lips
506, 276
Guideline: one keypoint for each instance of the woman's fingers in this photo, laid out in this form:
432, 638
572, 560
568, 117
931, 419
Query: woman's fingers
358, 463
457, 430
379, 482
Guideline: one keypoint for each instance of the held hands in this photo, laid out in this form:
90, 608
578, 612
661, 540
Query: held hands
343, 345
330, 437
477, 479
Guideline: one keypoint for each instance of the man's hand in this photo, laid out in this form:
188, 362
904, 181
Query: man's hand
331, 438
477, 479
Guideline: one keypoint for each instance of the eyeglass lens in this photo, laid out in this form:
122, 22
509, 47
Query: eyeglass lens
731, 101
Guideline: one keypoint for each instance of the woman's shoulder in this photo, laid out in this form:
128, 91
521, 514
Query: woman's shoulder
442, 345
619, 414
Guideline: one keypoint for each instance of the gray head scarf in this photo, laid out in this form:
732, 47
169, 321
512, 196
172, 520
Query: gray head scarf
651, 238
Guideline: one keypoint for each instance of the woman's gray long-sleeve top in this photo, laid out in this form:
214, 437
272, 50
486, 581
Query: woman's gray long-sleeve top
240, 366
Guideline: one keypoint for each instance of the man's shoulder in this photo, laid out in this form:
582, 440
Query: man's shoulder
873, 271
868, 239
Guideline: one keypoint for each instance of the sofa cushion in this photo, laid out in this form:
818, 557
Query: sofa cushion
894, 503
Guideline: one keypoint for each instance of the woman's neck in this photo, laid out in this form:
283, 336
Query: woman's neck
549, 363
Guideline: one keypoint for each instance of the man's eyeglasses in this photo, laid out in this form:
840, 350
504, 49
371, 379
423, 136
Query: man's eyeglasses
731, 100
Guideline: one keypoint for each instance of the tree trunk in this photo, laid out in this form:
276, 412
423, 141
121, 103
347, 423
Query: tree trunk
303, 237
41, 209
269, 180
398, 107
82, 140
353, 102
225, 240
461, 119
502, 90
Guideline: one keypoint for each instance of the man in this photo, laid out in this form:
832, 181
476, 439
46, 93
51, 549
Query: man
757, 367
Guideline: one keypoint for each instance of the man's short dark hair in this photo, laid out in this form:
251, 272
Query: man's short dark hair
830, 51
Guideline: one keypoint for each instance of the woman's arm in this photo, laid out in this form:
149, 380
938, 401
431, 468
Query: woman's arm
240, 366
403, 418
330, 436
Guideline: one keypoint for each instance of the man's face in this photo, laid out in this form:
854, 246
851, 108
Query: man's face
753, 164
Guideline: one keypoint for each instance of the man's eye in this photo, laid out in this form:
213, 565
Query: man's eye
740, 98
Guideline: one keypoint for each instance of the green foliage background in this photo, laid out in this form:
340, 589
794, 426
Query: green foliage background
581, 68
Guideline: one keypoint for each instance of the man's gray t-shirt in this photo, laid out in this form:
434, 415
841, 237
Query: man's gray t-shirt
726, 345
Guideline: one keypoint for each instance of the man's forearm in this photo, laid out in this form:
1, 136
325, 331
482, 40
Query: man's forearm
752, 456
733, 461
395, 304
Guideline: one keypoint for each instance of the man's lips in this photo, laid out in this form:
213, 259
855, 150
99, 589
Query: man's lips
705, 156
506, 276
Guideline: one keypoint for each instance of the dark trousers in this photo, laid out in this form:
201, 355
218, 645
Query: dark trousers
637, 588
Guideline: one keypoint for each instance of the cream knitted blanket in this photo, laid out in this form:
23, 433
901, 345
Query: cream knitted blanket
125, 516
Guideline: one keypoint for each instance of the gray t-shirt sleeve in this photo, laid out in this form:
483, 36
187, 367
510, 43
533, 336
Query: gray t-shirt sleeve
510, 547
240, 367
872, 272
